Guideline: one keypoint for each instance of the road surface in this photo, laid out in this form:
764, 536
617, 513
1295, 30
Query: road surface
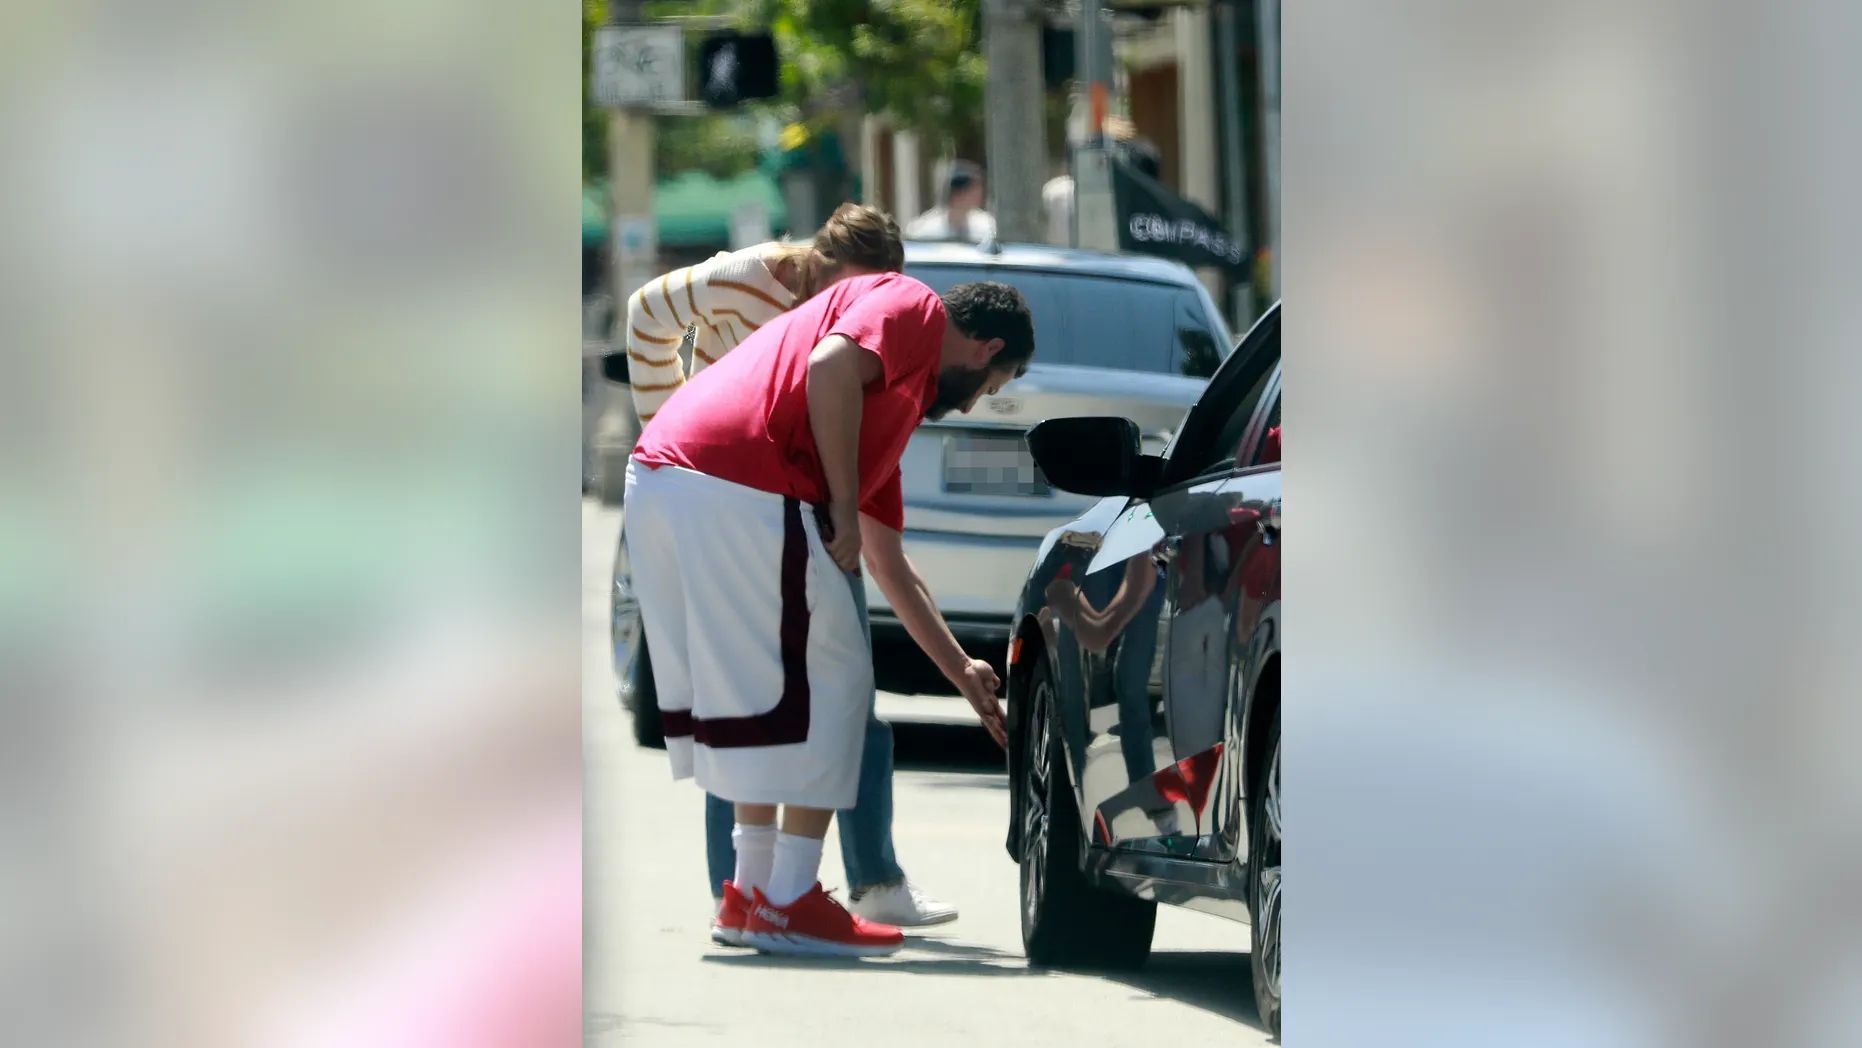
651, 974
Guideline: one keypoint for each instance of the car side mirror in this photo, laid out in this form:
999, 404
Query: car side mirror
614, 368
1096, 456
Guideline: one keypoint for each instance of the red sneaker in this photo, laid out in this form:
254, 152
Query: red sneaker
728, 929
816, 926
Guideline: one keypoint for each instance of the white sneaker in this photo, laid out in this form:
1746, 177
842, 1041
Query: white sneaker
903, 905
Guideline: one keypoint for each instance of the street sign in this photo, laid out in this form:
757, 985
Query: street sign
637, 65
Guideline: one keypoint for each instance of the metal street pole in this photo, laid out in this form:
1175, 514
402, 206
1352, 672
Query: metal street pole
1014, 118
633, 246
1246, 304
1268, 45
1094, 218
633, 234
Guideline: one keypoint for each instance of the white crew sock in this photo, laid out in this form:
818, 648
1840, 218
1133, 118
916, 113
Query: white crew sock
798, 866
756, 854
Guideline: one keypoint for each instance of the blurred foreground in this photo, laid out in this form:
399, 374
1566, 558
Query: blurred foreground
290, 533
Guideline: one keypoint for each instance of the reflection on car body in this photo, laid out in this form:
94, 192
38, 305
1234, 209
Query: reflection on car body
1144, 683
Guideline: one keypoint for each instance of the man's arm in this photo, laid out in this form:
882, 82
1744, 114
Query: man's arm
838, 372
911, 601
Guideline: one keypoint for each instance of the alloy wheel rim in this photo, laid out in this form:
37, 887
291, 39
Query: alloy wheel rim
1267, 891
1034, 807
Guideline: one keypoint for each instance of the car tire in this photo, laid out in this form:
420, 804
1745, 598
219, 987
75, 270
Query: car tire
644, 706
611, 476
1067, 921
1264, 904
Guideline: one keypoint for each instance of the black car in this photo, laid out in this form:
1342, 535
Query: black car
1144, 684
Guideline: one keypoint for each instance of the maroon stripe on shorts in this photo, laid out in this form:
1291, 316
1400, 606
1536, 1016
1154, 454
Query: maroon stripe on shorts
787, 723
676, 724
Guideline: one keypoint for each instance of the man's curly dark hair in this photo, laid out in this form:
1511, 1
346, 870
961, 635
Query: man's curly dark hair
987, 309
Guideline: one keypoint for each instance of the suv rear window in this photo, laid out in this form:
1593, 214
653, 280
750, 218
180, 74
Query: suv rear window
1104, 321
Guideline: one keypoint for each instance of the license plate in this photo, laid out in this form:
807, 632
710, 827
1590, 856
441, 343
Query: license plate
992, 464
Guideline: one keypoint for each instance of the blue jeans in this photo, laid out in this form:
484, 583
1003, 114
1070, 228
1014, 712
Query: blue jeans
865, 828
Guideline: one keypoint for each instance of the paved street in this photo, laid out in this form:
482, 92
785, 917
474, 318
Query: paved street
652, 976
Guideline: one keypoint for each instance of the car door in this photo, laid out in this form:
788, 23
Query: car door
1224, 591
1120, 620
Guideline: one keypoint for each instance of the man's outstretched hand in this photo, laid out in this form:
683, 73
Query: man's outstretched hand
979, 684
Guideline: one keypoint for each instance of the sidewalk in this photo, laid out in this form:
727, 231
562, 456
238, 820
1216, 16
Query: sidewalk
652, 976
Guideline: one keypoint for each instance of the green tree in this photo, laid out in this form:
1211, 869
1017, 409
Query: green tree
594, 118
915, 60
719, 144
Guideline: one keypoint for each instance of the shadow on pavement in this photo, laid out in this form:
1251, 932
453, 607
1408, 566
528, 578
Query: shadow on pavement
1215, 981
973, 961
945, 747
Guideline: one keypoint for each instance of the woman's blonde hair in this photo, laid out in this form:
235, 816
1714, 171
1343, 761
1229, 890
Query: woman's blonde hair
854, 235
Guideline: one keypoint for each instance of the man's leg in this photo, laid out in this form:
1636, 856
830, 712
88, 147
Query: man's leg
753, 844
794, 915
797, 858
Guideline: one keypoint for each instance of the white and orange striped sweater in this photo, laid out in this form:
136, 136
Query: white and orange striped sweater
725, 297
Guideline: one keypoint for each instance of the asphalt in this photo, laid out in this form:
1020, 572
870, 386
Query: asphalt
652, 976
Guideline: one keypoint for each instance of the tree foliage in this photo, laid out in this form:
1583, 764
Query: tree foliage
916, 60
719, 144
594, 118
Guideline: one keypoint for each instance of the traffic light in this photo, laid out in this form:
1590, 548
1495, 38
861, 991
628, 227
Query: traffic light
1057, 56
737, 67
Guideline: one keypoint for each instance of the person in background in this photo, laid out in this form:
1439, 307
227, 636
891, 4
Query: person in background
961, 216
727, 298
1057, 195
1057, 204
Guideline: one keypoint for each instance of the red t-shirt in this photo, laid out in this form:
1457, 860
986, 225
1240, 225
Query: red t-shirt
745, 418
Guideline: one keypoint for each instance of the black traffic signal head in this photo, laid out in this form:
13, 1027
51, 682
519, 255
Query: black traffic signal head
735, 67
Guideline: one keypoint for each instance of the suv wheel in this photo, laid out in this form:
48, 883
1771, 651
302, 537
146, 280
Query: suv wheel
643, 702
611, 475
1066, 920
1264, 884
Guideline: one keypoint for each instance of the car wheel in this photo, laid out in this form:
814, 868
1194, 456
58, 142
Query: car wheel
611, 475
1066, 920
1264, 884
644, 702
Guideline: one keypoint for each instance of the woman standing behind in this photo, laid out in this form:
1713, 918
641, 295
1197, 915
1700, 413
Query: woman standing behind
732, 294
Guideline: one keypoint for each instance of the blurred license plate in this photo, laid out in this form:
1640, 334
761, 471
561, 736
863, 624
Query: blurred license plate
991, 464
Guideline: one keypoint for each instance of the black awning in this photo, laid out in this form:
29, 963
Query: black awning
1152, 220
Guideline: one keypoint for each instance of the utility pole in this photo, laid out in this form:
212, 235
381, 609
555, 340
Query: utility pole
1245, 303
1014, 123
1095, 219
633, 234
1268, 45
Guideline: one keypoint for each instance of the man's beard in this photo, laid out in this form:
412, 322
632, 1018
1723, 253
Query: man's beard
955, 387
